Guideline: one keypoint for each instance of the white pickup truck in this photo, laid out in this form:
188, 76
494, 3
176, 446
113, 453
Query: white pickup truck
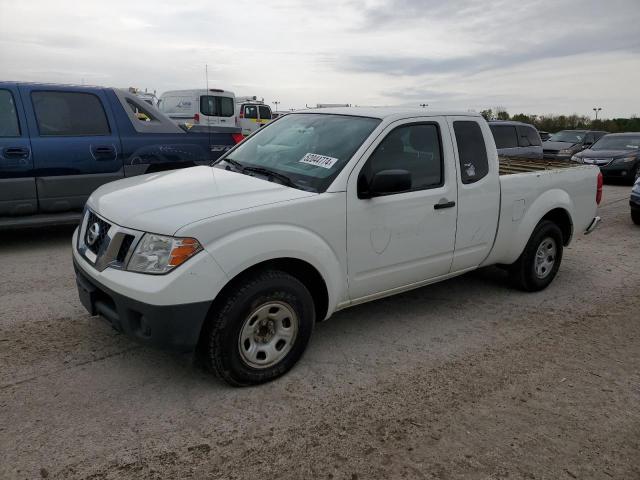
318, 211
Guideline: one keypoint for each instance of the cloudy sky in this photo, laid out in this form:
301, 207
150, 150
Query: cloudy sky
528, 56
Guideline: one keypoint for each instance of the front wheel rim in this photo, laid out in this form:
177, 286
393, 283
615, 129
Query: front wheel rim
545, 257
268, 334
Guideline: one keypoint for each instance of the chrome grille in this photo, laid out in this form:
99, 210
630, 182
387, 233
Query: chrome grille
106, 244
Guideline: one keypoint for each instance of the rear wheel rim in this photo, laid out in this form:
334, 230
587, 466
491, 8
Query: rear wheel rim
545, 257
268, 334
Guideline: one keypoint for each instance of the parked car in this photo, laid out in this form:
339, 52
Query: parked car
58, 143
566, 143
634, 202
212, 107
319, 211
617, 155
252, 116
544, 136
516, 139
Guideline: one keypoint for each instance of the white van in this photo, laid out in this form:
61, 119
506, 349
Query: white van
253, 115
204, 107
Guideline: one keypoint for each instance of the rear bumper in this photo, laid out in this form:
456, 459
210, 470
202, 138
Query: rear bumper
593, 225
173, 327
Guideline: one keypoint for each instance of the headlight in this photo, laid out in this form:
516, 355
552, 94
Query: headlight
576, 158
159, 254
566, 151
628, 159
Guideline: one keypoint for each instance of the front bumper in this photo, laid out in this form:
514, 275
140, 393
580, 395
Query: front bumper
174, 327
624, 170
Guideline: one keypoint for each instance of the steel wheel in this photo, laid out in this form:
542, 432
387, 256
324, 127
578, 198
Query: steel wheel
545, 257
268, 334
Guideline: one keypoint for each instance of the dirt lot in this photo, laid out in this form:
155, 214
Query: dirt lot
464, 379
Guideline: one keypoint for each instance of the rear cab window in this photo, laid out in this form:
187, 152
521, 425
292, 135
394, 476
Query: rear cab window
9, 126
505, 136
216, 106
250, 111
528, 136
472, 151
69, 114
265, 112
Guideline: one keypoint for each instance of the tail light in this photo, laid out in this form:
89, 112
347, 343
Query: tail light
196, 118
237, 137
241, 112
599, 189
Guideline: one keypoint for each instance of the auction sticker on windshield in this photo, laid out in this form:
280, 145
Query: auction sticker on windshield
319, 160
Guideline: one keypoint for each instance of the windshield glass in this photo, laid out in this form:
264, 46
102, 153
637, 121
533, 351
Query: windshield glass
611, 142
570, 136
309, 148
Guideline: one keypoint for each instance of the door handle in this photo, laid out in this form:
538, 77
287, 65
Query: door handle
104, 152
16, 152
444, 204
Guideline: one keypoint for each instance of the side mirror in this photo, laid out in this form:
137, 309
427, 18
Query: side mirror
385, 182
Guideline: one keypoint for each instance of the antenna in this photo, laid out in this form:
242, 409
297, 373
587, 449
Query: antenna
206, 79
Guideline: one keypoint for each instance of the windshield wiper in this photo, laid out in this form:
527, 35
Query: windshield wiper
270, 173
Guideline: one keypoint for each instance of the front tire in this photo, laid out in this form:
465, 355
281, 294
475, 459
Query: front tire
539, 262
260, 330
635, 216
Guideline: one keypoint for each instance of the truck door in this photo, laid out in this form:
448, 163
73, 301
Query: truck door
17, 182
401, 239
478, 191
75, 144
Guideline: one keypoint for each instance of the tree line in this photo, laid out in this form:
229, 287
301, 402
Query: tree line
553, 123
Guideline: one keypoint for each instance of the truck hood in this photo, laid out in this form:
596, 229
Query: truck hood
166, 201
605, 153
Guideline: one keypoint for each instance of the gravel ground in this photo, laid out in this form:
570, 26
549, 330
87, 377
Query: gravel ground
464, 379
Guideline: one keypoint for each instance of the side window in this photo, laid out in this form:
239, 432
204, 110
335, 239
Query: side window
140, 112
265, 112
208, 106
226, 107
69, 114
505, 136
9, 126
250, 111
588, 138
528, 136
472, 151
415, 148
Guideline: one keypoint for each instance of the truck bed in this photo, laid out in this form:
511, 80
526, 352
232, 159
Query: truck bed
509, 165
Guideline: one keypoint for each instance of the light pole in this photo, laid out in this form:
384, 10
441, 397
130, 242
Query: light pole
424, 105
276, 103
597, 109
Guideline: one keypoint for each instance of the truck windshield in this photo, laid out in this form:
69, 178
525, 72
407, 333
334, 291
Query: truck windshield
626, 142
570, 136
307, 149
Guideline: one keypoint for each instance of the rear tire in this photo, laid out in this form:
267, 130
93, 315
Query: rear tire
539, 262
260, 330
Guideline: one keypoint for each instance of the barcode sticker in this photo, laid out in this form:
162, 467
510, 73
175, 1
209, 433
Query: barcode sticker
319, 160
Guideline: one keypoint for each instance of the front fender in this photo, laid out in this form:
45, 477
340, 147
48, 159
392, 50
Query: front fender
243, 249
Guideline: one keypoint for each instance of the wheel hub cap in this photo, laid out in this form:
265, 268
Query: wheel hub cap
268, 334
545, 257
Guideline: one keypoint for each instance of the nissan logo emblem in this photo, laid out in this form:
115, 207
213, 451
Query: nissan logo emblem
93, 233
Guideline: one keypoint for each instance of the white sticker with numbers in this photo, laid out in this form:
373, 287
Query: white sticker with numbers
319, 160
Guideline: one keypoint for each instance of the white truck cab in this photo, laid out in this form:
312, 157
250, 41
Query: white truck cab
318, 211
200, 106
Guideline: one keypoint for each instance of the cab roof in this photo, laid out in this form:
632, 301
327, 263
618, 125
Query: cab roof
386, 113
